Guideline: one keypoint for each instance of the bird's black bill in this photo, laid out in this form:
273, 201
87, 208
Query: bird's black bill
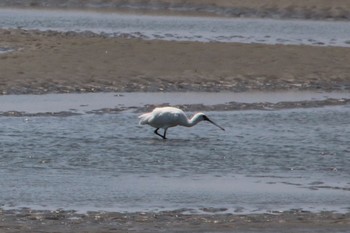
214, 123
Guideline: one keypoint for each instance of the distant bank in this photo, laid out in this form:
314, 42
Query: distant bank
312, 9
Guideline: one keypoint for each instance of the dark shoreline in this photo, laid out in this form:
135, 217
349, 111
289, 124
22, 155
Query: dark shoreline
28, 220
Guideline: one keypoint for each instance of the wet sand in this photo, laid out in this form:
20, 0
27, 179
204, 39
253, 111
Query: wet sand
27, 220
53, 62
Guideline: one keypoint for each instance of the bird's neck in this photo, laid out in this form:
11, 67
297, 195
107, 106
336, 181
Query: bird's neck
193, 121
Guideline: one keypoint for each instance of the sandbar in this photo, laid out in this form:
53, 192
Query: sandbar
69, 62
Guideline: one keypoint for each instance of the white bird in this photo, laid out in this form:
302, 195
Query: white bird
167, 117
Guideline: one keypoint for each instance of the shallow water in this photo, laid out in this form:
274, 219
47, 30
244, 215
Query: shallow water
264, 161
181, 28
6, 50
90, 102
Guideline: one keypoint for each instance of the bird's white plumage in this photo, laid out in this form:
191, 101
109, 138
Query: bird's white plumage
166, 117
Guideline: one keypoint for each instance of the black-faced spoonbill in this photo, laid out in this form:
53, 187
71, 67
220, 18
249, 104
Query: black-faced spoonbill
167, 117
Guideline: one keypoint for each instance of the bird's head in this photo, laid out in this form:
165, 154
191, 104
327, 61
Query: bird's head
204, 117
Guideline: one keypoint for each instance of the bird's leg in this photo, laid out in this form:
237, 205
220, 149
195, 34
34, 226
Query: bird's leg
164, 137
156, 132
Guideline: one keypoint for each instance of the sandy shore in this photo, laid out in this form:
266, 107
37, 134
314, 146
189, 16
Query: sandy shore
311, 9
27, 220
51, 62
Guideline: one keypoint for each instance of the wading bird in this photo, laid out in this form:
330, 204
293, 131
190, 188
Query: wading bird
167, 117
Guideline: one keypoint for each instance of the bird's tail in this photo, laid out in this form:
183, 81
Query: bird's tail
144, 118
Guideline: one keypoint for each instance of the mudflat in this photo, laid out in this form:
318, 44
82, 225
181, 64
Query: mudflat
58, 62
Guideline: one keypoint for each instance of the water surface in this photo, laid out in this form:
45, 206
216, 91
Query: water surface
265, 161
87, 102
182, 28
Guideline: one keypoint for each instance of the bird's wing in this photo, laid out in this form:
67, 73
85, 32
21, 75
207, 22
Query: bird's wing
164, 117
167, 117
